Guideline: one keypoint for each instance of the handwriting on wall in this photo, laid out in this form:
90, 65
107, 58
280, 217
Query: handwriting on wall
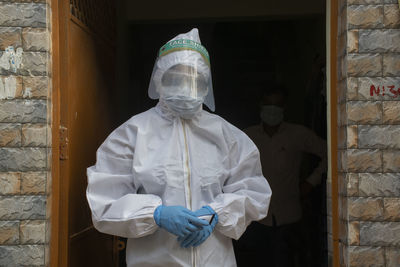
389, 90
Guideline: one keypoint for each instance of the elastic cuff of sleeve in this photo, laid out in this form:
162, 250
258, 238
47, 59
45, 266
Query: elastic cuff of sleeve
157, 214
210, 209
215, 219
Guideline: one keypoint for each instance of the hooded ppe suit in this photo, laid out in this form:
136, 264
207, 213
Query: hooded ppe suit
161, 158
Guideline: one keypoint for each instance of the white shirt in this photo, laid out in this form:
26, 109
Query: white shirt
281, 156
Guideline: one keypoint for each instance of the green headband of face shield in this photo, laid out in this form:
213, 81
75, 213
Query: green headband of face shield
184, 44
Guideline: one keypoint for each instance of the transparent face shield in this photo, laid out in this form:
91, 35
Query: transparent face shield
182, 70
184, 81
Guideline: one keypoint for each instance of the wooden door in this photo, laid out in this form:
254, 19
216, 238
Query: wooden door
85, 75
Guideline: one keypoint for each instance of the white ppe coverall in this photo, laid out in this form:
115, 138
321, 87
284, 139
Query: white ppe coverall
159, 158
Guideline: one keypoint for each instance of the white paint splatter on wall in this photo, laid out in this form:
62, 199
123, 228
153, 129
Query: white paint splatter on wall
8, 87
11, 59
27, 92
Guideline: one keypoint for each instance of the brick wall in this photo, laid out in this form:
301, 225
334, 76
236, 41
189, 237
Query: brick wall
369, 132
24, 138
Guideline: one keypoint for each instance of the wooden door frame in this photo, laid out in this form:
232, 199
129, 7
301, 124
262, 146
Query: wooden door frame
59, 212
333, 140
61, 18
55, 124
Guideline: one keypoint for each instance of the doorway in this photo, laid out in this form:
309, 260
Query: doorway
246, 57
253, 45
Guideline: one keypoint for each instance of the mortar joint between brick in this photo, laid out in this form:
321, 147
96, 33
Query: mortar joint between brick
20, 245
22, 195
358, 40
371, 5
384, 256
20, 182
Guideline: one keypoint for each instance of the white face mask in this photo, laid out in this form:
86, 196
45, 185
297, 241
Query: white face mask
186, 107
271, 115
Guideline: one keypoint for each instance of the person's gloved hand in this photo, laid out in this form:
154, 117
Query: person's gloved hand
205, 211
196, 238
177, 220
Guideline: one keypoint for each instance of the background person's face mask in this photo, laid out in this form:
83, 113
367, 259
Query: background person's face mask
271, 115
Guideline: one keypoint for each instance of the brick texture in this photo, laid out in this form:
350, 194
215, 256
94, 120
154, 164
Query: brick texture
364, 112
23, 111
10, 183
352, 182
10, 87
387, 136
15, 256
10, 135
369, 148
391, 112
380, 233
9, 234
364, 88
392, 207
33, 183
352, 136
370, 16
364, 2
35, 87
352, 88
379, 184
34, 135
24, 144
364, 65
35, 39
391, 65
23, 159
32, 232
10, 36
379, 41
365, 256
22, 207
392, 257
391, 161
365, 209
354, 233
363, 160
23, 15
392, 16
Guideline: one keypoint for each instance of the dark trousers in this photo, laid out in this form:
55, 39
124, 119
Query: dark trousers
272, 246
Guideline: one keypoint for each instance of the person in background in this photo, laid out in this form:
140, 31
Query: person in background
275, 240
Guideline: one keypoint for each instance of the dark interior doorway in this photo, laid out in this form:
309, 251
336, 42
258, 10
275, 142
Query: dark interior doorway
246, 55
243, 55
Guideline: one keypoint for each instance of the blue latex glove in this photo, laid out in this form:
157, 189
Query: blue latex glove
205, 210
177, 220
196, 238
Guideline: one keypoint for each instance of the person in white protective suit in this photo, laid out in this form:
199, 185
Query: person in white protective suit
177, 181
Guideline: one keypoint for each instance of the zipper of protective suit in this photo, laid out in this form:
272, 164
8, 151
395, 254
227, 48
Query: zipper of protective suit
188, 182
